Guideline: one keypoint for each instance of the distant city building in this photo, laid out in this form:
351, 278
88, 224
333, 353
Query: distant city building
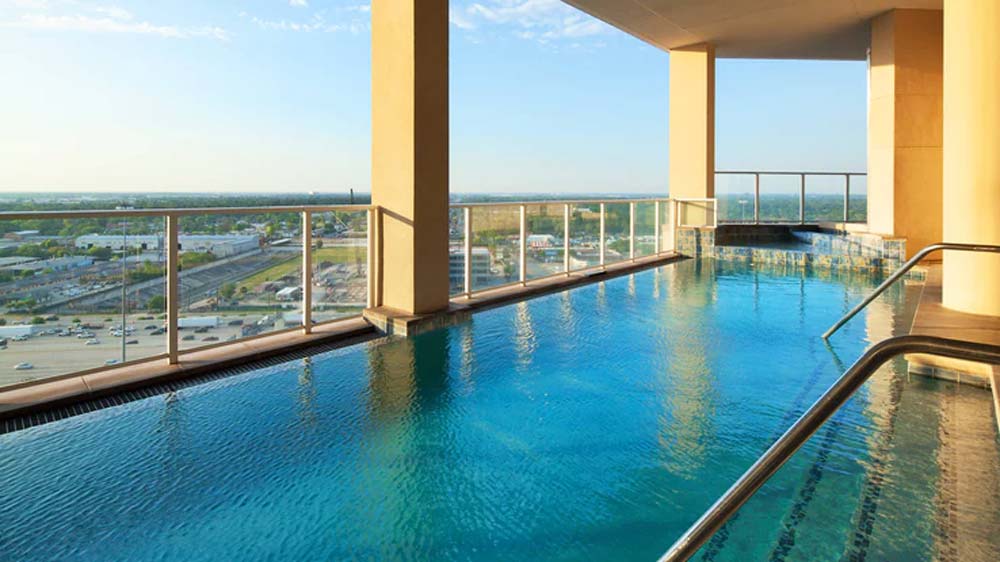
55, 264
541, 241
219, 245
480, 265
289, 294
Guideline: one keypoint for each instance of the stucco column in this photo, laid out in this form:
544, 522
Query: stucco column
410, 151
972, 153
905, 126
692, 123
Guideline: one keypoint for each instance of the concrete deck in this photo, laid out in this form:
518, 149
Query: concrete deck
933, 319
34, 397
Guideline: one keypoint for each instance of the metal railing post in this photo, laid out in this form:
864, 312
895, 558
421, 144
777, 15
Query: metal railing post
524, 244
656, 229
631, 230
306, 272
601, 243
847, 197
173, 342
756, 198
802, 198
467, 248
566, 238
370, 232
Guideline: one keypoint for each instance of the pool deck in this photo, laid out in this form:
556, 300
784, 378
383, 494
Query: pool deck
19, 401
933, 319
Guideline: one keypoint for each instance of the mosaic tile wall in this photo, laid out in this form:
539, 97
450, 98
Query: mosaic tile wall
820, 249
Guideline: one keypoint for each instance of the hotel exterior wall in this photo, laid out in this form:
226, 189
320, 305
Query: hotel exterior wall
972, 153
905, 126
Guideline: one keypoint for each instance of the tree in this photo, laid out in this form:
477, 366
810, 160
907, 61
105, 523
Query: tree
156, 303
227, 291
37, 320
99, 253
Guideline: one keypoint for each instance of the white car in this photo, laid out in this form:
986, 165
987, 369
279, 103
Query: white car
23, 367
93, 342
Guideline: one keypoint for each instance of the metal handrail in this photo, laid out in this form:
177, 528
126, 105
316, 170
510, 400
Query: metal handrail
817, 414
802, 193
924, 252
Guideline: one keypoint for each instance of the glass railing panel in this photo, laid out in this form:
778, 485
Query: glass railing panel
339, 264
824, 198
240, 276
858, 210
545, 238
779, 198
735, 194
584, 236
456, 251
495, 245
78, 294
645, 228
616, 232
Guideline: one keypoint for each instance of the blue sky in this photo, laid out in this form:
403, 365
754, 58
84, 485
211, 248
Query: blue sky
268, 95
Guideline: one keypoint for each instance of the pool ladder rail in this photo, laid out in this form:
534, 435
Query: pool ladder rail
817, 414
903, 270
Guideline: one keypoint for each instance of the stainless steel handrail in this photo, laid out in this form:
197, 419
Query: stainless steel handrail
903, 269
817, 414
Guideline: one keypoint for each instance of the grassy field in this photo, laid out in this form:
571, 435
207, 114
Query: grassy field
335, 254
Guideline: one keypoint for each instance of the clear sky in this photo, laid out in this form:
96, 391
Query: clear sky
273, 95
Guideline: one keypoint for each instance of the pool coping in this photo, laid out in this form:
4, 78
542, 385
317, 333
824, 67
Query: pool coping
27, 404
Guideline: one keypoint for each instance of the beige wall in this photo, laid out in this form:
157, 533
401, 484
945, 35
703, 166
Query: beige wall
410, 150
972, 152
905, 126
692, 122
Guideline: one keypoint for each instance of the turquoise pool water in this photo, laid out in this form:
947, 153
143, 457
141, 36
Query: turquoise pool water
594, 424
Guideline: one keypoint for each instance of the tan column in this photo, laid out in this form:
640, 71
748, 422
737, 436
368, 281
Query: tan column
972, 153
410, 150
905, 126
692, 124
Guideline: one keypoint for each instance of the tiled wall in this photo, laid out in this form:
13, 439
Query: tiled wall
827, 250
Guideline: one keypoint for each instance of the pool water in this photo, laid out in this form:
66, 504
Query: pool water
592, 424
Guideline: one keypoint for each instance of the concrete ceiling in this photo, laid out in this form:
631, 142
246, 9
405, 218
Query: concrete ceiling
766, 29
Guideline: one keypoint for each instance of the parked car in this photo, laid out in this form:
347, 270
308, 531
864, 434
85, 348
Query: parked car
158, 332
210, 338
236, 322
202, 330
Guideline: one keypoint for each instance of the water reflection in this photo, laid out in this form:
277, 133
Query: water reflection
407, 375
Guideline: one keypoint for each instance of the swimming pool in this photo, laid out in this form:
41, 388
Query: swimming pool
592, 424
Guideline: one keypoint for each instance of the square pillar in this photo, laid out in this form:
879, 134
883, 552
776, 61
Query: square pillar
692, 125
905, 126
410, 151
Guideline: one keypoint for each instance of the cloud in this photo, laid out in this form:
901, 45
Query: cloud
317, 24
536, 20
88, 24
91, 18
298, 3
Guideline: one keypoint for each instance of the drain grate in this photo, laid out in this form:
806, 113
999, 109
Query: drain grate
92, 405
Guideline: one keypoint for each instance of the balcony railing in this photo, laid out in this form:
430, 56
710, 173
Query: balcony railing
163, 283
496, 245
791, 197
135, 285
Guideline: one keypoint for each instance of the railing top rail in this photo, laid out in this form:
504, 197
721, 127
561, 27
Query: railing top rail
188, 211
903, 269
787, 173
540, 202
817, 414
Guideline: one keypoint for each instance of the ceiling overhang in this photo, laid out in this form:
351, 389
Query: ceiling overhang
759, 29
